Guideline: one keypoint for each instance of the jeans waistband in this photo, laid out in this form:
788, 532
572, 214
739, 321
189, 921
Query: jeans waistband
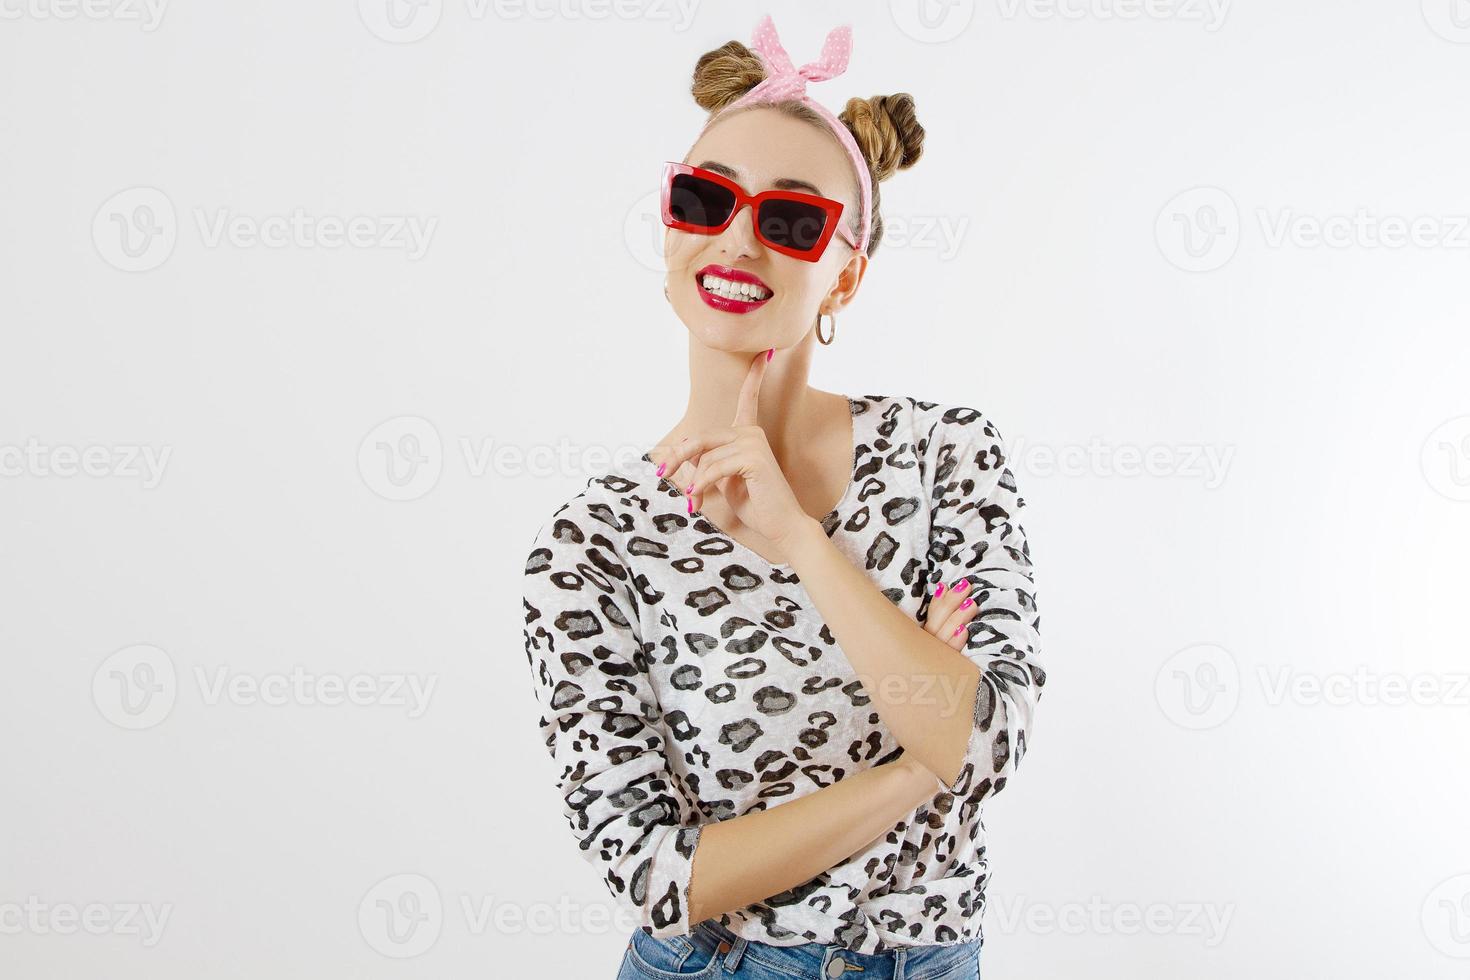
828, 962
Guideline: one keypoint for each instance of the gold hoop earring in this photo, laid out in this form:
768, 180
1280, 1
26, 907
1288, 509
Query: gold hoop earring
832, 333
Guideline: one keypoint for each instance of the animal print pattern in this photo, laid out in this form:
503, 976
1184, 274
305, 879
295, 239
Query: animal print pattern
683, 679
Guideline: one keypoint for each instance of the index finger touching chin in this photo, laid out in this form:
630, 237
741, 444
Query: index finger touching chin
749, 400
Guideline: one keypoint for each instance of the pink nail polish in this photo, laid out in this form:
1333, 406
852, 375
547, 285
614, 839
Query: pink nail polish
661, 468
968, 602
962, 585
957, 630
689, 506
770, 354
939, 591
689, 489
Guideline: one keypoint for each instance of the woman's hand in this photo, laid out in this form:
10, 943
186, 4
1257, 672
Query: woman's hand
738, 460
950, 611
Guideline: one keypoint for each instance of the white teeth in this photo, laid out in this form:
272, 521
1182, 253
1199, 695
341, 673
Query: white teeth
734, 290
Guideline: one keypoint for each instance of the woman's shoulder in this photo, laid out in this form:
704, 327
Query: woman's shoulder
598, 513
930, 423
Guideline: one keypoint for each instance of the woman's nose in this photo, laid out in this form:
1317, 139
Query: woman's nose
741, 232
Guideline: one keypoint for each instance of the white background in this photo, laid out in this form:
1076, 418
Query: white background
1108, 247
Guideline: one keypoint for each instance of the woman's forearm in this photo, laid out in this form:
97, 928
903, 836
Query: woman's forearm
749, 858
920, 686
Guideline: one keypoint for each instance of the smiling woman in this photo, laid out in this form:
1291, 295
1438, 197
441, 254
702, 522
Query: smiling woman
775, 718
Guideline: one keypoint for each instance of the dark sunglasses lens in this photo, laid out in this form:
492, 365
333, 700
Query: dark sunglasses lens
793, 224
699, 202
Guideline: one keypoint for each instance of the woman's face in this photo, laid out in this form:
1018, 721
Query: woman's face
757, 149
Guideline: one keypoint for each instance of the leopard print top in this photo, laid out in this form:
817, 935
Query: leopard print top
683, 679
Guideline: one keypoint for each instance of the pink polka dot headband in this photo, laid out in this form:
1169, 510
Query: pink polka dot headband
783, 81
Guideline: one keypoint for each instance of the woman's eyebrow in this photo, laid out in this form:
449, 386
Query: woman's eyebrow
780, 183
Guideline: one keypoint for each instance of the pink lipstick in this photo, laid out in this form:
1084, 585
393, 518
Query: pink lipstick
738, 292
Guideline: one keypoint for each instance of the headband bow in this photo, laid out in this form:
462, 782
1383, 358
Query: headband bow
784, 81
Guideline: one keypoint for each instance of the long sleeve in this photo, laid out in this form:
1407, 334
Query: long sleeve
975, 533
601, 721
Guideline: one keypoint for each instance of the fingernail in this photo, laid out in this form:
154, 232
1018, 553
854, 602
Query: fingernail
957, 630
689, 489
770, 354
939, 591
661, 469
688, 506
961, 585
967, 602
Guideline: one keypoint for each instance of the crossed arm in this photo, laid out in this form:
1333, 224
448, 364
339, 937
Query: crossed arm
924, 692
921, 687
957, 691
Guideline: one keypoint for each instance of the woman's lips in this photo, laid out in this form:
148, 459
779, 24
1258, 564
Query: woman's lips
724, 303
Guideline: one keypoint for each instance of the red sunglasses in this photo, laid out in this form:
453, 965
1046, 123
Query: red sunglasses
704, 202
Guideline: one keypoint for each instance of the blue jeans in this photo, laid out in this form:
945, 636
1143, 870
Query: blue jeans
712, 951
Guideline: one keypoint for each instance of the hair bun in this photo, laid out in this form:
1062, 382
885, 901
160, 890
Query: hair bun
725, 74
887, 130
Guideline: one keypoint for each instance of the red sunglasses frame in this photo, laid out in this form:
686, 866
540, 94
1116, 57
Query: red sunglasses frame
832, 209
